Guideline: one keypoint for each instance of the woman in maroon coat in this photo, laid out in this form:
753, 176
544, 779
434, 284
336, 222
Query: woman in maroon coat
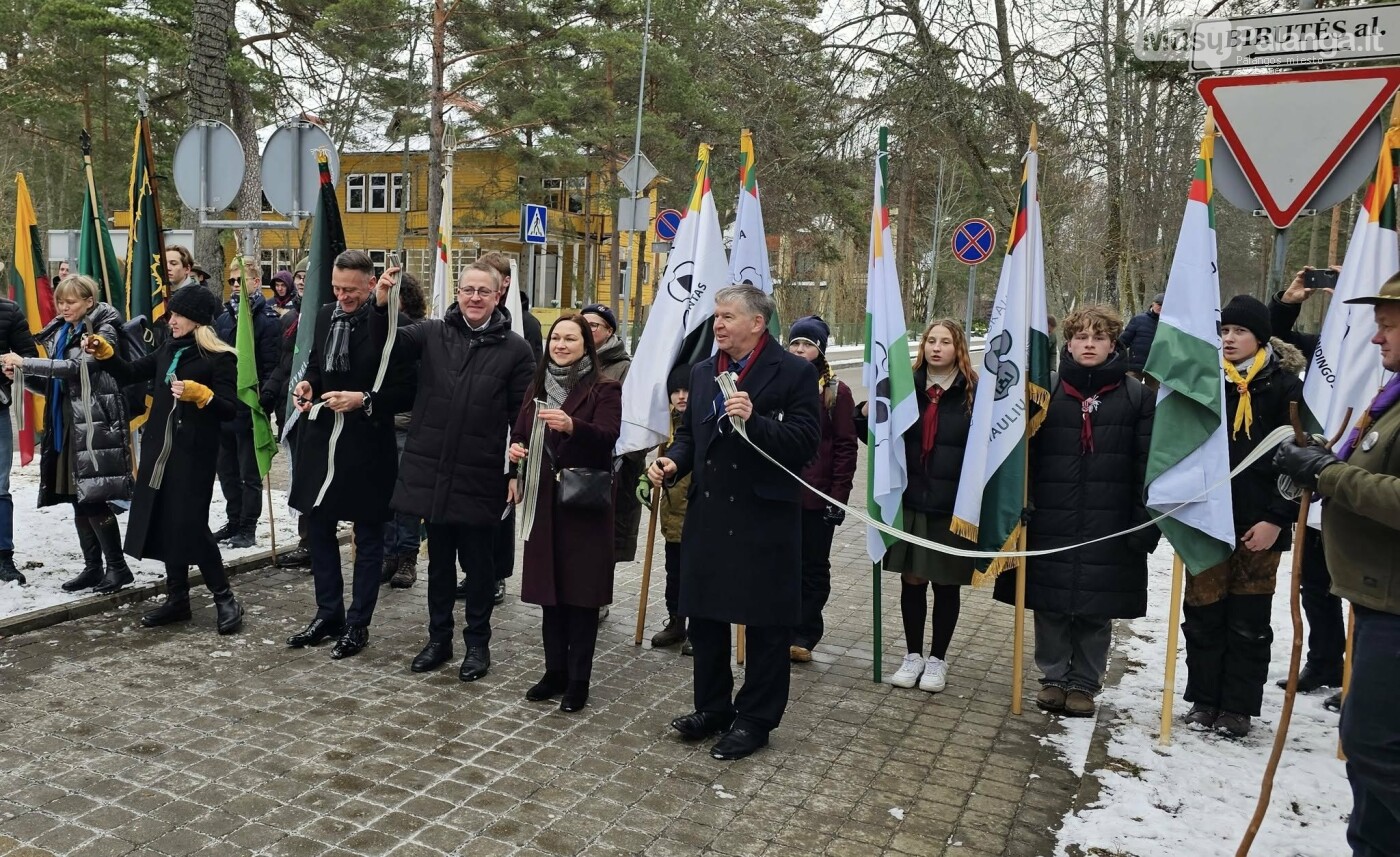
568, 570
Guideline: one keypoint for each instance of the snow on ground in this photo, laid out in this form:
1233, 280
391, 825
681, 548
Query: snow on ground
46, 545
1200, 791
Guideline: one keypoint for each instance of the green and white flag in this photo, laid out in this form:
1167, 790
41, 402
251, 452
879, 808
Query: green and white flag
887, 372
1190, 448
1012, 392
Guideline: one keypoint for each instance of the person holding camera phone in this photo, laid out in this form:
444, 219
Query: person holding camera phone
1326, 625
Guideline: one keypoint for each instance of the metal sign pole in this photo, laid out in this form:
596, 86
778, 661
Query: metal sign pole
530, 274
971, 296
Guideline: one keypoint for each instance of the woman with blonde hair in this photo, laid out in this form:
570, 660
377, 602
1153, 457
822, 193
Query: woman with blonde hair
944, 384
85, 458
195, 389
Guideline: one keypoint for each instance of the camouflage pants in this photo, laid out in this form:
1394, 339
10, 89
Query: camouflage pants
1244, 573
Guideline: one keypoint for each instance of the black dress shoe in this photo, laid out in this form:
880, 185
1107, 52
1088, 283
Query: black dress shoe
738, 743
295, 558
548, 687
701, 724
500, 597
172, 610
434, 655
318, 630
475, 664
575, 698
351, 643
1310, 679
1333, 703
461, 592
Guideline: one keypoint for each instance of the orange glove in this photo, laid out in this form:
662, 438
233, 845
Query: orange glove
193, 391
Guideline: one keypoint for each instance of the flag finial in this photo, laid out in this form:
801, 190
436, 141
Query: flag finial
1035, 138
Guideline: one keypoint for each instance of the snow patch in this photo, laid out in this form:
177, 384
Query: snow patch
897, 812
1202, 788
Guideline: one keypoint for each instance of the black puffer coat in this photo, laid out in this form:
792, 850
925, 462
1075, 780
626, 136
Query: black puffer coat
171, 523
471, 385
102, 473
933, 484
1076, 497
1255, 492
14, 336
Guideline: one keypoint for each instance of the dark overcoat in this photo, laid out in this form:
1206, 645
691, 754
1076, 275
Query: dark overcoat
741, 545
1077, 496
102, 473
171, 523
568, 555
470, 389
366, 456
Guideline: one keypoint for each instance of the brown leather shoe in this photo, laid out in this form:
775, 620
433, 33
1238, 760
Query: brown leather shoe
1051, 698
407, 573
799, 654
1079, 704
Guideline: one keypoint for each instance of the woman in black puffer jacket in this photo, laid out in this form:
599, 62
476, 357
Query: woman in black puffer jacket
944, 386
1088, 463
86, 453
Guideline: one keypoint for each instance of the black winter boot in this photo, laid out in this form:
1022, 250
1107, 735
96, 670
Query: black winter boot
228, 612
109, 536
176, 607
8, 572
91, 574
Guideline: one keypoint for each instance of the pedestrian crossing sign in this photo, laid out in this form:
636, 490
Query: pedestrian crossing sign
534, 224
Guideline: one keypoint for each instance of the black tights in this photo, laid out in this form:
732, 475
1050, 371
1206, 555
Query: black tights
913, 605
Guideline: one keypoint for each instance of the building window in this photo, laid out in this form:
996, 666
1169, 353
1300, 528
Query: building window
378, 192
398, 196
355, 192
379, 258
575, 188
272, 261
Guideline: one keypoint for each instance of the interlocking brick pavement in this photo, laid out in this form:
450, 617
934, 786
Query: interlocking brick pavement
120, 740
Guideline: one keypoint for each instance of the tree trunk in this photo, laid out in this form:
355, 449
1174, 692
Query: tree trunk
1113, 25
208, 98
435, 128
250, 197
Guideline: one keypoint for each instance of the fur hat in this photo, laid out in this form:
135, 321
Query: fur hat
196, 303
811, 328
602, 312
1249, 313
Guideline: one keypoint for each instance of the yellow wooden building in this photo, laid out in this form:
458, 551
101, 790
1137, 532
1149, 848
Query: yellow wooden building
383, 195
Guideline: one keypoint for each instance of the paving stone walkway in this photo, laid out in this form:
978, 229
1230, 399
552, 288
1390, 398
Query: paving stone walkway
118, 740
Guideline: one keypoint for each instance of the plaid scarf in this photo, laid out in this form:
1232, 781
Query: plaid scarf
338, 343
559, 380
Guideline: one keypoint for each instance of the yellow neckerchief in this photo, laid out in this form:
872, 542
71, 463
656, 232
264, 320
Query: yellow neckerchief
1244, 413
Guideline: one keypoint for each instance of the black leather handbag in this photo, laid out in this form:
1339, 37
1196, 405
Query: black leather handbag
581, 487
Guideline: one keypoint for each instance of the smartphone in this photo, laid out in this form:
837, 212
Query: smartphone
1320, 278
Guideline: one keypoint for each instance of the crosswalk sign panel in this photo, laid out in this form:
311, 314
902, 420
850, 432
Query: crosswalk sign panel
534, 224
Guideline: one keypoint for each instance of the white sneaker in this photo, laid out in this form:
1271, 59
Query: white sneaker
909, 671
935, 676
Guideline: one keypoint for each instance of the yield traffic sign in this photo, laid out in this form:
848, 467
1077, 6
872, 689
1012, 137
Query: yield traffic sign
1261, 119
534, 224
973, 241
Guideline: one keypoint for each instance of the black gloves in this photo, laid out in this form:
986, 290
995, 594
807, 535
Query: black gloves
834, 516
1303, 464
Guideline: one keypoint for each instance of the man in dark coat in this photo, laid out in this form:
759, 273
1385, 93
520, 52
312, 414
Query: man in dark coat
344, 459
14, 337
238, 461
1327, 632
1361, 484
472, 378
741, 545
1137, 338
1088, 465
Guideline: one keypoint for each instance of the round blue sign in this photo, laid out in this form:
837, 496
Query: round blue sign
667, 222
973, 241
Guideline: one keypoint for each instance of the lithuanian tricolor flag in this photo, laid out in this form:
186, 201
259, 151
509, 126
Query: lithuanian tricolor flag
29, 287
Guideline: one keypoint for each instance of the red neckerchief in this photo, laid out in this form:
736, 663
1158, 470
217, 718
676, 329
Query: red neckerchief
930, 422
1087, 406
722, 362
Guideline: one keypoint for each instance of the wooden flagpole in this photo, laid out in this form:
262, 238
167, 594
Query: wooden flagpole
1295, 654
646, 569
1346, 666
86, 140
740, 645
271, 521
1164, 736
